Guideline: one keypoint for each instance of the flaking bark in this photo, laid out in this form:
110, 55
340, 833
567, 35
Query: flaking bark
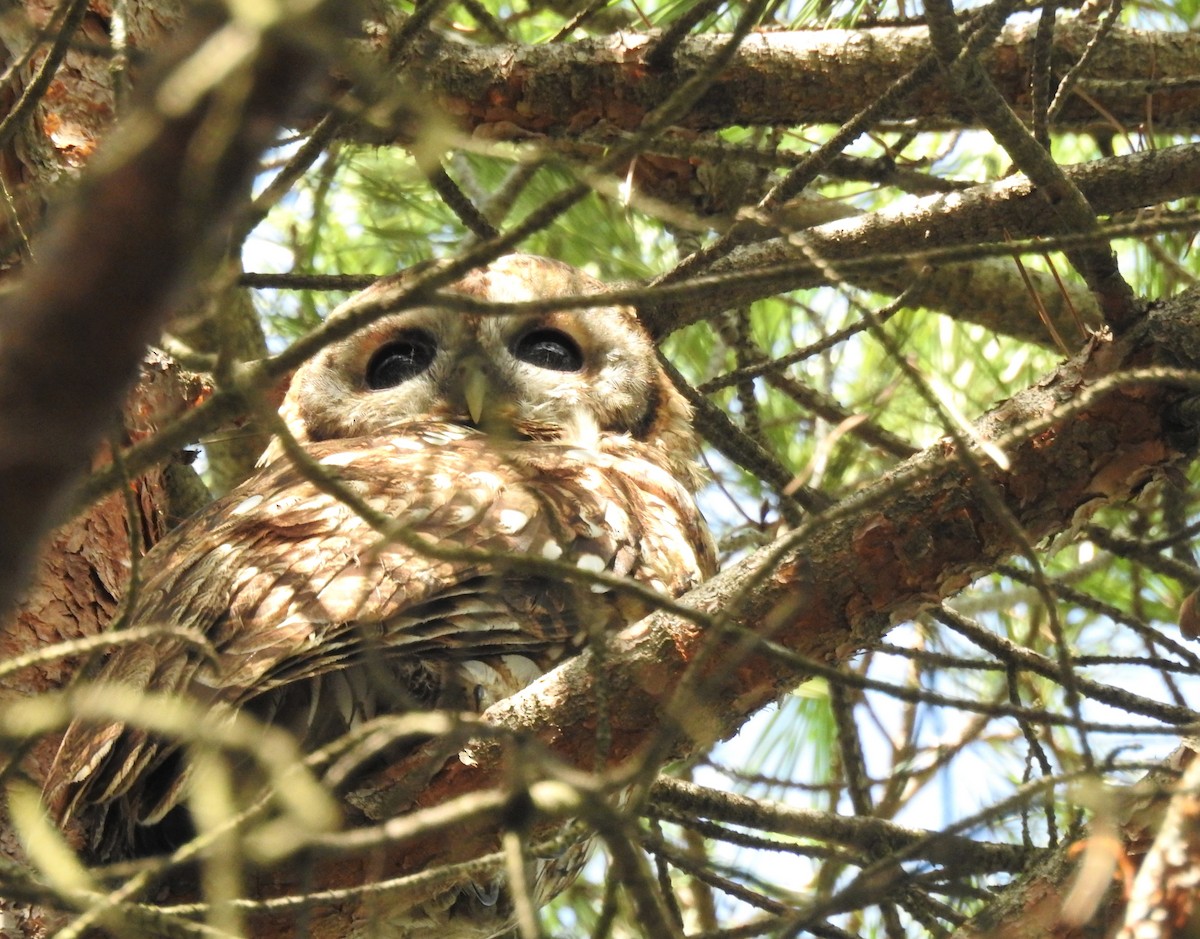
515, 90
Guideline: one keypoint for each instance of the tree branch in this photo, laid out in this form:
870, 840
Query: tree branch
802, 77
988, 213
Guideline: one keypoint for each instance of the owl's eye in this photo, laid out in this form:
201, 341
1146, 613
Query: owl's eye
549, 348
400, 360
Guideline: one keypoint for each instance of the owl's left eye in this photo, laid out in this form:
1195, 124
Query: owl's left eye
549, 348
400, 360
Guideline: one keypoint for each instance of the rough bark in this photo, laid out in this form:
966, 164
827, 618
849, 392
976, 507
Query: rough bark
512, 91
879, 249
46, 143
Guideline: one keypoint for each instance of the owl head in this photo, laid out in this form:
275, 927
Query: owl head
577, 375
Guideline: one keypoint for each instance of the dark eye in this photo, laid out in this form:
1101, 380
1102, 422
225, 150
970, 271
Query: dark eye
400, 360
549, 348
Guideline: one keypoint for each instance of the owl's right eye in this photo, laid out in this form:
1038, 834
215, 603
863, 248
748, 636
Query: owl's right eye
400, 360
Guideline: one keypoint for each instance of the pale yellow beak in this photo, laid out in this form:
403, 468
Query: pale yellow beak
475, 392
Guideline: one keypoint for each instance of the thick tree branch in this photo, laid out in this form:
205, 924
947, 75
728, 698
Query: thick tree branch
1011, 208
801, 77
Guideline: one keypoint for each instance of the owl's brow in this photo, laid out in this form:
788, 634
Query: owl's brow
703, 294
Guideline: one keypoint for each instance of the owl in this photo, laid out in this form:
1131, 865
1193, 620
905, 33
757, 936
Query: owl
553, 435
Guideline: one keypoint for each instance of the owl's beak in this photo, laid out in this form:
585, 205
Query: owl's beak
474, 391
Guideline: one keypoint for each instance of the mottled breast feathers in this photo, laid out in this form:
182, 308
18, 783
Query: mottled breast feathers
290, 586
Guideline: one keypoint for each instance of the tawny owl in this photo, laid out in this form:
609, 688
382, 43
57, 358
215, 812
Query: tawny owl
554, 434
